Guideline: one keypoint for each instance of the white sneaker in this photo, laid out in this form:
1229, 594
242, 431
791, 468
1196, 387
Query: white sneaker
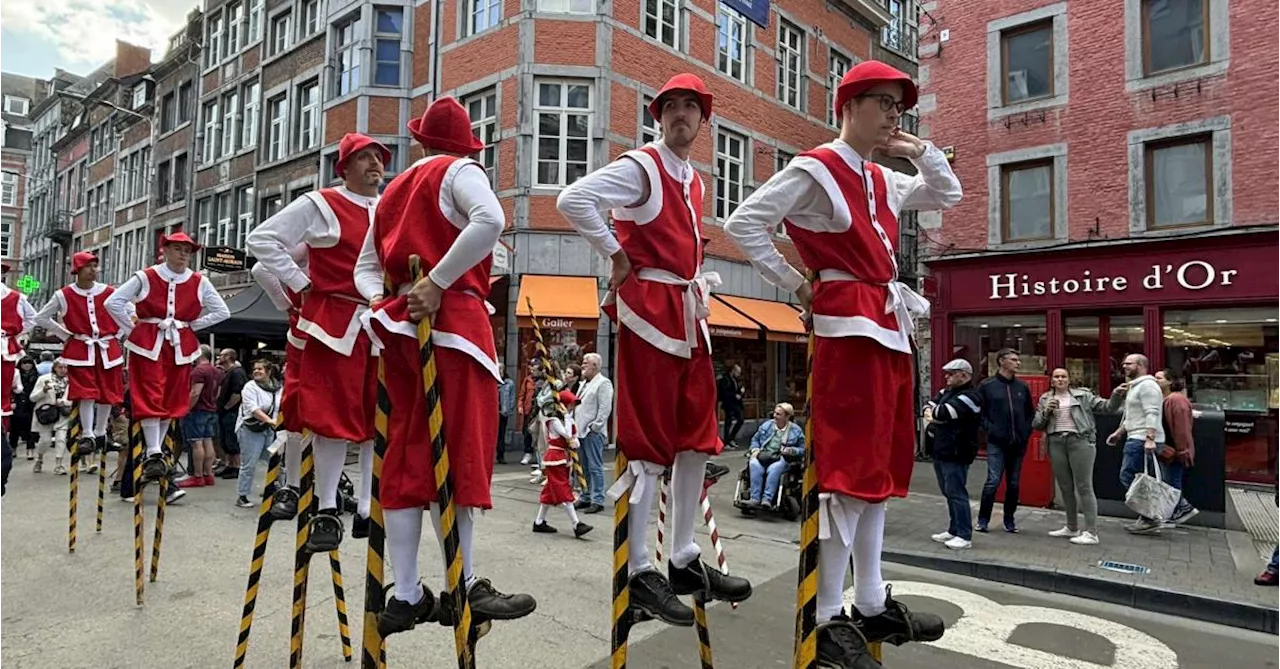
1085, 538
943, 537
1064, 532
956, 543
526, 459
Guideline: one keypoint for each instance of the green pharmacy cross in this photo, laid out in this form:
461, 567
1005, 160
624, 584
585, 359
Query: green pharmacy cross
28, 284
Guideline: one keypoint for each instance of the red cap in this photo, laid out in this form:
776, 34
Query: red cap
567, 397
445, 126
353, 143
80, 259
179, 238
867, 74
683, 82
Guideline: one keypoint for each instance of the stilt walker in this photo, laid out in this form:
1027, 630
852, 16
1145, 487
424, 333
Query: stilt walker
443, 210
841, 211
336, 375
172, 303
17, 317
659, 297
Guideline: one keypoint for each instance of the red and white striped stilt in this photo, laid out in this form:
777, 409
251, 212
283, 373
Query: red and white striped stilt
662, 513
710, 520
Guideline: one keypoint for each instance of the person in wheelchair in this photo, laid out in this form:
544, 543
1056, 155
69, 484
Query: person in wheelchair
776, 445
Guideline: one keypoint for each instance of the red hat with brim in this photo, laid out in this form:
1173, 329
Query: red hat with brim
80, 260
870, 73
353, 143
179, 238
445, 126
683, 82
567, 397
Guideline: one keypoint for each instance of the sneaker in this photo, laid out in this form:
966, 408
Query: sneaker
581, 529
526, 459
1064, 533
39, 466
651, 595
154, 468
582, 504
1182, 517
698, 577
243, 502
751, 504
1085, 538
209, 480
943, 537
543, 528
325, 532
284, 504
230, 473
401, 616
841, 644
59, 470
957, 543
898, 625
982, 527
1010, 528
489, 604
1268, 578
192, 482
1144, 526
31, 454
359, 527
594, 508
175, 494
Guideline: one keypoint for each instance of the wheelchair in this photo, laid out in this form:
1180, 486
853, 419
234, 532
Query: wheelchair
786, 503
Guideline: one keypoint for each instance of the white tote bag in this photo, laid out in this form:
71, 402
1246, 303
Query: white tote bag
1149, 496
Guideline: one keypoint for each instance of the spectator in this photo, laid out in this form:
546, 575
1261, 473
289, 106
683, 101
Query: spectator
595, 407
46, 363
1179, 451
1142, 428
573, 379
233, 379
506, 406
774, 442
952, 439
1006, 416
1065, 415
20, 430
6, 463
201, 422
525, 408
258, 408
53, 416
729, 390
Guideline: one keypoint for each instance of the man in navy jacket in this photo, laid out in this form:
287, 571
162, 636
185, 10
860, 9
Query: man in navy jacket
1007, 410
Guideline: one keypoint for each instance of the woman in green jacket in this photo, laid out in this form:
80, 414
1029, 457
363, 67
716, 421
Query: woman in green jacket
1065, 415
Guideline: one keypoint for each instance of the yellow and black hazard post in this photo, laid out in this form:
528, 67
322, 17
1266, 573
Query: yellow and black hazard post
340, 600
169, 448
462, 632
74, 494
550, 369
622, 613
135, 439
258, 559
373, 653
302, 558
102, 485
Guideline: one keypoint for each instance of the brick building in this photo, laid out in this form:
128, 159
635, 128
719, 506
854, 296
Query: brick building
1118, 161
20, 94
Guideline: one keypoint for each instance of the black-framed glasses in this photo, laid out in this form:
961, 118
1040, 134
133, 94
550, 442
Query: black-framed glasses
887, 101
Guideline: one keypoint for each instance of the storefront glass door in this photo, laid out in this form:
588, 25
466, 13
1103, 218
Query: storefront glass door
978, 339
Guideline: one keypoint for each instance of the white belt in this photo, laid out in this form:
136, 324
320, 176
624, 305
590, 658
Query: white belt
406, 287
697, 296
905, 302
103, 343
635, 477
170, 328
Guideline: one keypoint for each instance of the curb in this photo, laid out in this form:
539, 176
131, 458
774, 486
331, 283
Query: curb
1197, 607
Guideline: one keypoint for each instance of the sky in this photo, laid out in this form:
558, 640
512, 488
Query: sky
80, 35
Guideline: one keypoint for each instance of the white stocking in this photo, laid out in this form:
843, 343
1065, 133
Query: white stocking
101, 417
404, 533
153, 430
638, 522
542, 515
466, 533
687, 478
868, 583
833, 563
293, 460
330, 455
366, 478
86, 418
572, 512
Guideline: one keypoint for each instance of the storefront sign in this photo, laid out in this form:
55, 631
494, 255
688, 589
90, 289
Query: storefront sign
225, 259
501, 258
1190, 275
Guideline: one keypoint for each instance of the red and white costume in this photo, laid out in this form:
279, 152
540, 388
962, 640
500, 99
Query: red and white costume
555, 461
17, 316
666, 387
841, 211
295, 340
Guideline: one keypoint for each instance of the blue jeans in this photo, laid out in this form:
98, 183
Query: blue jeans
766, 479
199, 425
1002, 462
1274, 565
253, 447
1134, 461
953, 477
592, 450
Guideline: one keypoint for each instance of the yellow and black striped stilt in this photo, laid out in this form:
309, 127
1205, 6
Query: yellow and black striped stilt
373, 648
704, 635
806, 645
135, 439
444, 490
545, 355
102, 486
340, 600
622, 614
257, 560
162, 503
302, 558
73, 499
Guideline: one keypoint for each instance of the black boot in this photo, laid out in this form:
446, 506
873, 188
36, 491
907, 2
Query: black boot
487, 604
154, 468
401, 616
359, 527
898, 625
581, 529
100, 444
325, 532
842, 646
543, 528
697, 577
651, 595
84, 449
284, 504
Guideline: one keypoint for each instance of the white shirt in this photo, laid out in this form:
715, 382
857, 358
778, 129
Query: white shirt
794, 194
468, 201
253, 397
621, 183
275, 243
120, 304
25, 310
50, 315
271, 286
595, 405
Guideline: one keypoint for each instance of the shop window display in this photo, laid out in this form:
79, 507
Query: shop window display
726, 352
1081, 355
978, 339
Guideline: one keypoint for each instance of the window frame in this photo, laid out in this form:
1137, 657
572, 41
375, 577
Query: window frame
655, 128
169, 111
26, 105
732, 18
783, 89
277, 138
834, 57
1006, 171
185, 92
210, 121
6, 236
9, 182
380, 37
489, 10
235, 28
545, 6
213, 40
1205, 139
564, 111
488, 157
253, 14
244, 195
722, 161
346, 56
251, 101
228, 130
311, 21
180, 171
658, 23
1144, 20
281, 33
1045, 24
312, 112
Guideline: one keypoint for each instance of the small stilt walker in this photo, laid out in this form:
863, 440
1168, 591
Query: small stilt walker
841, 211
17, 316
562, 437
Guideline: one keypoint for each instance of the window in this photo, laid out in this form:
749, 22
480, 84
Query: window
661, 20
222, 203
563, 133
16, 105
6, 237
480, 15
163, 183
1175, 34
277, 115
139, 96
204, 231
731, 168
731, 42
346, 69
211, 140
650, 129
271, 206
249, 117
214, 40
1179, 178
388, 26
977, 339
230, 106
837, 65
567, 6
255, 21
245, 198
168, 112
1027, 62
900, 34
235, 26
281, 36
1027, 201
483, 110
184, 101
9, 189
310, 17
790, 65
780, 160
179, 177
309, 116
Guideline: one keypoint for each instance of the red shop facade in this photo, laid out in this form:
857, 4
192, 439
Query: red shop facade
1205, 307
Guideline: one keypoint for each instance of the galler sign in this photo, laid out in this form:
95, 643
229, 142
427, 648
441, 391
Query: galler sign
1190, 275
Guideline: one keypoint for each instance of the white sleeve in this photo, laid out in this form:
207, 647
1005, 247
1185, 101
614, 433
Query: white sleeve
27, 312
621, 183
934, 186
48, 316
752, 224
120, 304
369, 272
272, 241
558, 427
271, 286
215, 309
474, 198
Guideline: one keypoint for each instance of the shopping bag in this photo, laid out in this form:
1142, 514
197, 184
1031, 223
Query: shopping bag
1149, 496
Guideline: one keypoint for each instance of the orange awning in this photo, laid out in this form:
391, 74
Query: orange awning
560, 302
725, 322
780, 321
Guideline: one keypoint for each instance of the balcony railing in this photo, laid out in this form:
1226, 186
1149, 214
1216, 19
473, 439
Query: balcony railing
899, 38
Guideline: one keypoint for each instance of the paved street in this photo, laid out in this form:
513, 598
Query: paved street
74, 611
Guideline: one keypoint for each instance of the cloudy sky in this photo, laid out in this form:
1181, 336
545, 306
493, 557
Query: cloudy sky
80, 35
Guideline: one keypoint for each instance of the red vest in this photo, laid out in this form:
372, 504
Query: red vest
93, 330
179, 300
557, 446
11, 325
329, 311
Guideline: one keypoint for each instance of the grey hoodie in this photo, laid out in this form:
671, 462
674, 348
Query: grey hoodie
1143, 406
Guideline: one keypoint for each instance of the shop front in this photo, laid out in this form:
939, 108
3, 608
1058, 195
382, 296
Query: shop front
774, 365
568, 314
1203, 307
